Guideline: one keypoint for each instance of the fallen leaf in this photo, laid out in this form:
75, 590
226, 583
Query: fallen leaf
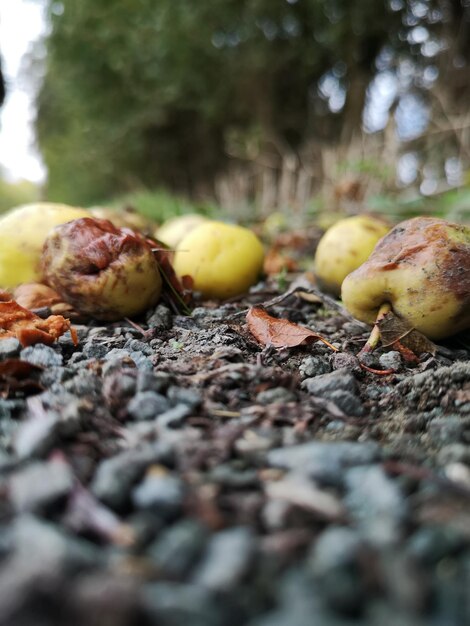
394, 330
276, 261
16, 375
27, 327
278, 332
177, 292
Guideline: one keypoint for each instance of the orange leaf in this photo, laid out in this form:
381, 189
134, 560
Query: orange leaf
280, 333
28, 328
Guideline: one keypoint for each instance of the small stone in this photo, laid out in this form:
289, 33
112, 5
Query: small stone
454, 453
35, 437
134, 345
174, 417
347, 402
324, 460
94, 350
39, 485
391, 361
445, 430
278, 394
161, 318
41, 355
147, 405
9, 348
431, 544
181, 395
325, 384
115, 477
174, 604
153, 381
345, 361
376, 503
159, 491
229, 556
314, 366
334, 562
178, 548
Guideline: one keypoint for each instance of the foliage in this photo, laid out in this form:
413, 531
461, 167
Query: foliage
142, 93
17, 193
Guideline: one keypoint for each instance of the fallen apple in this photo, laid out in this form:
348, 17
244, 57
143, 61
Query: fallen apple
175, 229
124, 218
223, 260
344, 247
102, 271
23, 231
422, 269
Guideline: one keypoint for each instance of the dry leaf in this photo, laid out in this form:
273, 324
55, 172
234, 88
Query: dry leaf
28, 328
17, 375
395, 330
279, 333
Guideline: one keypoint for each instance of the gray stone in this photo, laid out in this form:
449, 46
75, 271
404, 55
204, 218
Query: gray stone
41, 355
115, 477
178, 548
345, 360
347, 402
278, 394
134, 345
229, 556
182, 395
174, 604
334, 562
324, 460
160, 492
95, 349
325, 384
161, 318
174, 417
9, 348
376, 503
314, 366
153, 381
445, 430
147, 405
391, 360
39, 485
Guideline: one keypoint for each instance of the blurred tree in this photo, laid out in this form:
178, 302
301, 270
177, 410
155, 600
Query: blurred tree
139, 92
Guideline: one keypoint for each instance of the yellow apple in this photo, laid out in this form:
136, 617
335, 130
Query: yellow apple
421, 268
223, 260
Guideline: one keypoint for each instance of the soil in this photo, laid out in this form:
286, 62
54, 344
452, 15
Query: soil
173, 471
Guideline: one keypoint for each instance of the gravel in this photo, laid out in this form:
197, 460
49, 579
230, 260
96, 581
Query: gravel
180, 474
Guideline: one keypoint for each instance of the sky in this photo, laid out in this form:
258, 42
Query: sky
21, 23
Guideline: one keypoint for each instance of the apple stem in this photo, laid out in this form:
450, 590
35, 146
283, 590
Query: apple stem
374, 336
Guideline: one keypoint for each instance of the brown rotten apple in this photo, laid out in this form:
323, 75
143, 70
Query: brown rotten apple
102, 271
422, 269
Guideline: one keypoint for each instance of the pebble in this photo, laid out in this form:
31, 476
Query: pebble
41, 355
446, 430
153, 381
334, 562
376, 504
325, 384
347, 402
345, 360
324, 461
147, 405
160, 492
161, 318
278, 394
178, 548
228, 558
314, 366
175, 604
115, 477
391, 360
39, 485
181, 395
10, 348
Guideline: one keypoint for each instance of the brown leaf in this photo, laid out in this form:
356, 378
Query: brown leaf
393, 329
35, 296
28, 328
279, 333
17, 375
